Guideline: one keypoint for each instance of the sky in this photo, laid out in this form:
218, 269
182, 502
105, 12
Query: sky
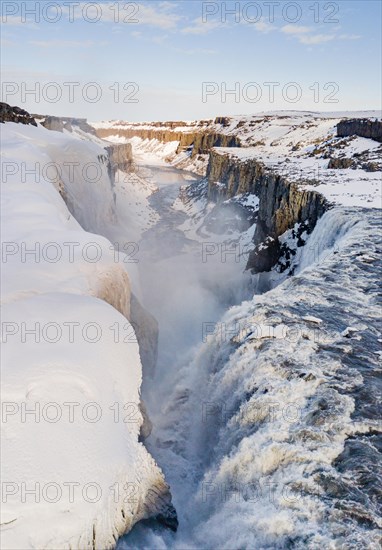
188, 59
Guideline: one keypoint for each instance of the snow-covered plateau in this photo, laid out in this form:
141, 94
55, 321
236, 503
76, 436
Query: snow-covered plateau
253, 243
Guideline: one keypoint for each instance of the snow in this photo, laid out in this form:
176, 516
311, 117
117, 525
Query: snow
134, 213
289, 143
346, 187
294, 350
312, 319
190, 125
65, 293
77, 167
154, 152
44, 248
120, 124
349, 331
92, 449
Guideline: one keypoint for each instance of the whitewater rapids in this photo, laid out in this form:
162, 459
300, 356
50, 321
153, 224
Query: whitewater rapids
269, 434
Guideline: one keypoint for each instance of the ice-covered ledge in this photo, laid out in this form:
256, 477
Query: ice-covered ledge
74, 474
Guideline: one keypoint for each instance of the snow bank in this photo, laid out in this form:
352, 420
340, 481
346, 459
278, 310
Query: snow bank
77, 168
79, 451
67, 355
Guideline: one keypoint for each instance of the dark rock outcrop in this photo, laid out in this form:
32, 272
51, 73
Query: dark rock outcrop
15, 114
223, 120
282, 204
371, 167
203, 142
362, 127
341, 163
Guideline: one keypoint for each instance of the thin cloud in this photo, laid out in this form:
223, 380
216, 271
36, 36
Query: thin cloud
349, 36
201, 27
196, 51
161, 16
263, 26
63, 43
295, 29
11, 20
17, 21
316, 38
304, 35
6, 42
159, 39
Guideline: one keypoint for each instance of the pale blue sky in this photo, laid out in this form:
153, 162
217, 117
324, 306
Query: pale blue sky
175, 46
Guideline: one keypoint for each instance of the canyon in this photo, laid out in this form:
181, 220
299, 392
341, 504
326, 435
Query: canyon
254, 292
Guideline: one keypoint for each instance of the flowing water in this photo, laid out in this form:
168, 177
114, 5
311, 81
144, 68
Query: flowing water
181, 288
267, 431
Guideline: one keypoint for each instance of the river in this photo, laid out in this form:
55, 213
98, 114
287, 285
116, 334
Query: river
327, 454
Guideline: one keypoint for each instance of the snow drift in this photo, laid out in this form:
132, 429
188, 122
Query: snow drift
74, 474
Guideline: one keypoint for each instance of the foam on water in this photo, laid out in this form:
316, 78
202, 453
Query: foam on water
258, 435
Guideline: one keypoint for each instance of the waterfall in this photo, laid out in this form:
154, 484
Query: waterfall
252, 436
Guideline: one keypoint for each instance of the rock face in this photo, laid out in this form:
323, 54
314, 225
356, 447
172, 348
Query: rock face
282, 204
203, 142
59, 124
340, 163
120, 156
361, 127
15, 114
200, 140
147, 426
53, 123
163, 134
115, 290
146, 330
228, 176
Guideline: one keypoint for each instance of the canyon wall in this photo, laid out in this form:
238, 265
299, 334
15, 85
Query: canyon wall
200, 139
203, 142
59, 124
161, 134
281, 204
362, 127
147, 333
120, 157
